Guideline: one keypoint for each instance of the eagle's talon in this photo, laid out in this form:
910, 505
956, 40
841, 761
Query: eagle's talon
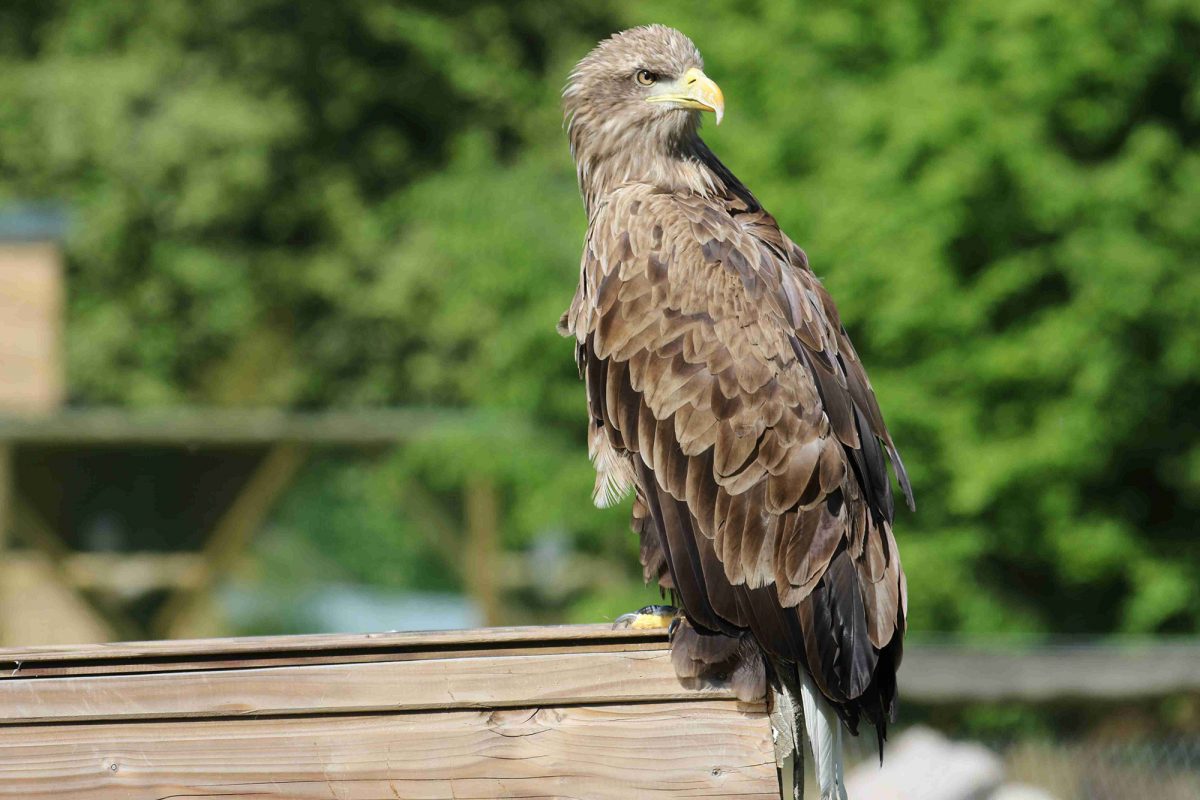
648, 618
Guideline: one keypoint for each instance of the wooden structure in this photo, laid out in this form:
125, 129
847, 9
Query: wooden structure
115, 524
31, 311
571, 711
202, 482
581, 711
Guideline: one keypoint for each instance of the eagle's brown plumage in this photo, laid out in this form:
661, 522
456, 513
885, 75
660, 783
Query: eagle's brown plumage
723, 390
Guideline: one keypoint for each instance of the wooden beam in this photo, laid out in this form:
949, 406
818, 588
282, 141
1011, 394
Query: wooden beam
335, 647
33, 529
6, 492
481, 681
232, 533
552, 712
483, 548
654, 751
6, 495
1118, 671
133, 574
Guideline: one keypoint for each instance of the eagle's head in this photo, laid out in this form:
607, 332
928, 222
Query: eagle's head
633, 104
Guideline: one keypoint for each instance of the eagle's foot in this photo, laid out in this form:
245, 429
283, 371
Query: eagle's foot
649, 618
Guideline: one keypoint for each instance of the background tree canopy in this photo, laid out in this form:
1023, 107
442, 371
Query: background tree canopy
370, 203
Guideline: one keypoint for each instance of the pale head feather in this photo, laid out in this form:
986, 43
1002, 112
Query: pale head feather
616, 137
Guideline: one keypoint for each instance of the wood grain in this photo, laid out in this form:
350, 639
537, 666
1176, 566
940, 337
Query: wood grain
934, 674
485, 682
578, 711
702, 749
184, 649
50, 668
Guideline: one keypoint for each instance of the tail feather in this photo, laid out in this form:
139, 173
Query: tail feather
824, 730
785, 716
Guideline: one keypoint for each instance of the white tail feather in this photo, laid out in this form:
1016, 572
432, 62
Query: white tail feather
614, 472
825, 737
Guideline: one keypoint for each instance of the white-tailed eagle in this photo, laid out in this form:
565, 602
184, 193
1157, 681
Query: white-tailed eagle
725, 395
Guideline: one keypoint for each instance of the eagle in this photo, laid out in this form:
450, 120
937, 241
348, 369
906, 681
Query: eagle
724, 394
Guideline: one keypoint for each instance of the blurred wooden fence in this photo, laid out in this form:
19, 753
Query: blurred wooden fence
1087, 671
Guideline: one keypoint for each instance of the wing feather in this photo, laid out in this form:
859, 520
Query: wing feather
717, 364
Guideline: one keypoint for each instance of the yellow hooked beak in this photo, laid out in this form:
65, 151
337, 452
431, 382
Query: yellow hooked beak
693, 90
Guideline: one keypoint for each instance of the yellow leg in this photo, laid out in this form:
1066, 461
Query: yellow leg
648, 618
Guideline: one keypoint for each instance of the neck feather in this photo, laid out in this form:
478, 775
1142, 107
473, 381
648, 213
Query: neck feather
607, 160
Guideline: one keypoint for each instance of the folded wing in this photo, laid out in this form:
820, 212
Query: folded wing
716, 364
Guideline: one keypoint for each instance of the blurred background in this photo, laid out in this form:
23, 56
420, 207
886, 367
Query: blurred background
279, 280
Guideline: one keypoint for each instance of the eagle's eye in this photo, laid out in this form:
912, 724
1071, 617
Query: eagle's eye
646, 78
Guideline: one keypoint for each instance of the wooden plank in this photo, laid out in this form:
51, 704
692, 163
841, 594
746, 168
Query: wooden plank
447, 683
577, 711
160, 656
52, 669
534, 636
931, 674
256, 427
706, 749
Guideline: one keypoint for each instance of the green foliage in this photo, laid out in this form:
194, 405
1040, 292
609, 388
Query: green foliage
366, 203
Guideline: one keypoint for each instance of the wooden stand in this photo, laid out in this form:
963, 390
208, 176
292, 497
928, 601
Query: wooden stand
575, 712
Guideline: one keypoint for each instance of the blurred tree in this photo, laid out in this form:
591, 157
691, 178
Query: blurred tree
370, 202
